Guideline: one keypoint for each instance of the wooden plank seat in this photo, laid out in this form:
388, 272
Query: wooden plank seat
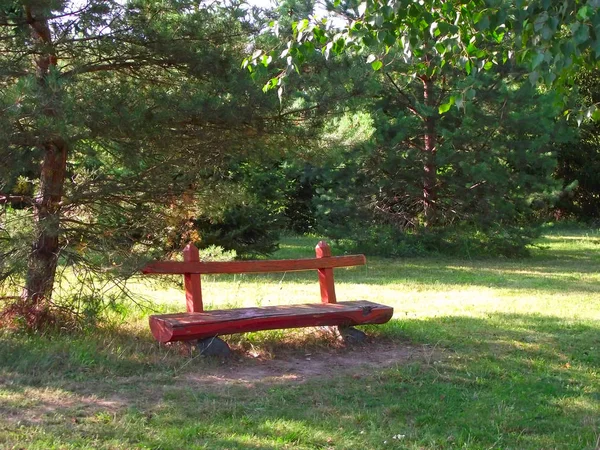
199, 324
187, 326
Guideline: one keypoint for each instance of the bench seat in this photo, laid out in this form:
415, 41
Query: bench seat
200, 325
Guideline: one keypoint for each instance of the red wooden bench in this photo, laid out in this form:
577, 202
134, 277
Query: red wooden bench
202, 325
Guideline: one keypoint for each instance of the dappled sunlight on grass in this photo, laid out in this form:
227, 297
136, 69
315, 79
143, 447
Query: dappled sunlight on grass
586, 239
546, 272
507, 380
503, 354
401, 283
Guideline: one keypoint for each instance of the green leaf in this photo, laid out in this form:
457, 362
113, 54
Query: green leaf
484, 23
266, 60
597, 48
488, 65
547, 33
534, 77
537, 60
582, 14
582, 35
390, 39
302, 25
445, 107
319, 35
498, 36
540, 21
376, 65
338, 46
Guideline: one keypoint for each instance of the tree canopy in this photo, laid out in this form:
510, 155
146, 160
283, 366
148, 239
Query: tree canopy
548, 40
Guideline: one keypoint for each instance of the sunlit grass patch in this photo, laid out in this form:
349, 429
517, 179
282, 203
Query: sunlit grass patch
480, 354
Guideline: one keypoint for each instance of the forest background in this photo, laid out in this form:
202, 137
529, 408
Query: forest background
129, 129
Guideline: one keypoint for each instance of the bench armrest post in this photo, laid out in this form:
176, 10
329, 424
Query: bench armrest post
323, 250
193, 286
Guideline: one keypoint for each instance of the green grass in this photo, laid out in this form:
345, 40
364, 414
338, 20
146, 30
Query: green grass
504, 354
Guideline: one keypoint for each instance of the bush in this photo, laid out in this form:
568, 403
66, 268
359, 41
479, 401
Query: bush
465, 242
248, 230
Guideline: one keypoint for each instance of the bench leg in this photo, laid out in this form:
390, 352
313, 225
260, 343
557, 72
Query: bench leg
351, 335
213, 346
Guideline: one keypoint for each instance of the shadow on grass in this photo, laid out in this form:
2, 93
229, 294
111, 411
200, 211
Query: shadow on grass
506, 381
555, 270
541, 276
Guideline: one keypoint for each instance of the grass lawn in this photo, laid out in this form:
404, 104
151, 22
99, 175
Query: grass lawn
481, 354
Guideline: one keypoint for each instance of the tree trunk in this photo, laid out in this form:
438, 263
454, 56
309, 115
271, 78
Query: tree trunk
429, 148
43, 259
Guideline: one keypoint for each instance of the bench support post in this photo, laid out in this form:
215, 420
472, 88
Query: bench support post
193, 286
323, 250
213, 346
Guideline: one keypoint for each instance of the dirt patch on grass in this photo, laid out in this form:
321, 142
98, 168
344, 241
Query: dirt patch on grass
295, 367
69, 401
31, 406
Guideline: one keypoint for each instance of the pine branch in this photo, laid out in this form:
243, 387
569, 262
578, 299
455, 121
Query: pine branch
15, 199
409, 104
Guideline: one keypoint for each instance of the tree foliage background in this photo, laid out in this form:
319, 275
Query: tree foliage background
129, 128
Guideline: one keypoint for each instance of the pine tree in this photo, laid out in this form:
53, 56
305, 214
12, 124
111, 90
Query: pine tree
579, 161
493, 160
115, 122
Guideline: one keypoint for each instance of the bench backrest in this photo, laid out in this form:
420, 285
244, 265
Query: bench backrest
192, 267
281, 265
